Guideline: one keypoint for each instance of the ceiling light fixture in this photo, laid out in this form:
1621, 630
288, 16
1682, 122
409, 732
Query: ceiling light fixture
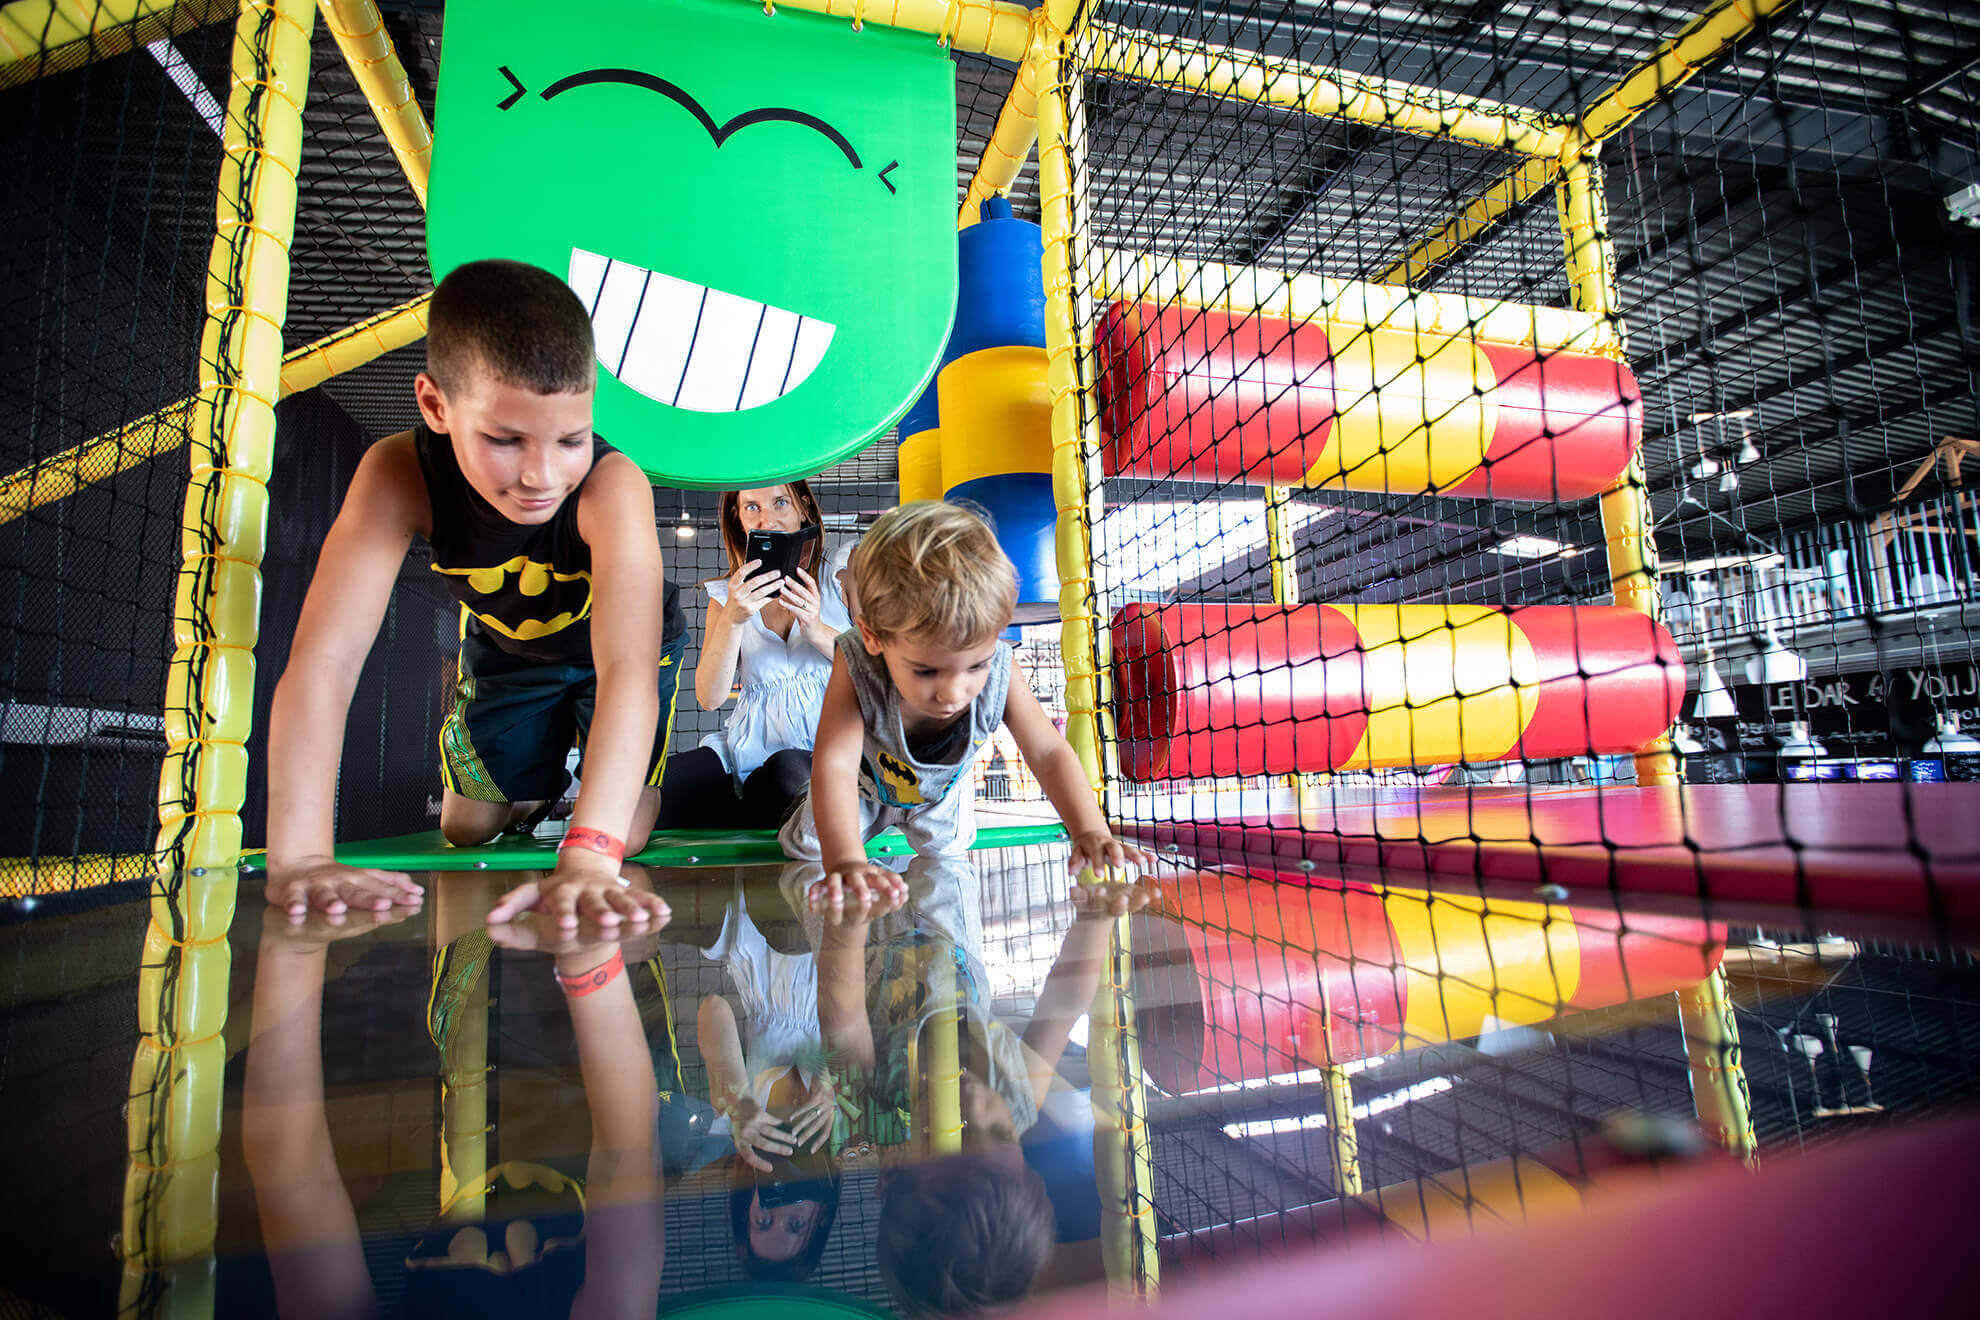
1777, 663
1715, 699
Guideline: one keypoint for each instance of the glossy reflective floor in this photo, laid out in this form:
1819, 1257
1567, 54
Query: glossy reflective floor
414, 1118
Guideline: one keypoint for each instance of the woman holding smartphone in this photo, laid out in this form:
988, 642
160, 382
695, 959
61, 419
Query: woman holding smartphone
769, 635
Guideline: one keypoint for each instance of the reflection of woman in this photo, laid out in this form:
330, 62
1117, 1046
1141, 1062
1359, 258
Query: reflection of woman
768, 1080
775, 635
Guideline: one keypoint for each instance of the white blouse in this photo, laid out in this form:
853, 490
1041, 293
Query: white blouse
783, 681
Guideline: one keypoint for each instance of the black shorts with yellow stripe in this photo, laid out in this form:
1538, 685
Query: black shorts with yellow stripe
515, 721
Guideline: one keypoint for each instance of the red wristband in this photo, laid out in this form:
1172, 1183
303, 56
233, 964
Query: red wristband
598, 841
584, 983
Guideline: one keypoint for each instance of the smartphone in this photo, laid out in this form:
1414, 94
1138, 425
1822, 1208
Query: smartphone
780, 552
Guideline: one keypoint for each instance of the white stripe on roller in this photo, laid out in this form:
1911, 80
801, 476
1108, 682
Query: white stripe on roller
721, 353
771, 362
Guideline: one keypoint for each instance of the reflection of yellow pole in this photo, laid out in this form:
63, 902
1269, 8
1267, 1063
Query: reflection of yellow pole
178, 1085
941, 1056
367, 47
1718, 1078
42, 37
1279, 545
61, 475
464, 1070
209, 687
1344, 1144
1626, 517
1120, 1132
1319, 89
996, 28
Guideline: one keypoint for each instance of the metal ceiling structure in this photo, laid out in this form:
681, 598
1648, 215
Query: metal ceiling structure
1783, 237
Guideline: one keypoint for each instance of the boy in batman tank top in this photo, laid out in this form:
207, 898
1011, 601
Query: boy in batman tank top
546, 536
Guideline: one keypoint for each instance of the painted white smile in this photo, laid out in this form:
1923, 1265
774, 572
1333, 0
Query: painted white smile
691, 346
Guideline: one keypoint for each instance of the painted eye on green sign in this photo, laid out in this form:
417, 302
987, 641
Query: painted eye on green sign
758, 210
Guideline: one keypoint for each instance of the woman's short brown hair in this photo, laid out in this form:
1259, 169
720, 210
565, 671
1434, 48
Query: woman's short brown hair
933, 570
735, 539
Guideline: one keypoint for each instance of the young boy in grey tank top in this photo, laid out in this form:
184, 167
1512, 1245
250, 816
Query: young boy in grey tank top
918, 686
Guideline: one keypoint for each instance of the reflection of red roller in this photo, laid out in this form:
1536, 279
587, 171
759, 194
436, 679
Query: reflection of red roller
1231, 689
1242, 978
1221, 396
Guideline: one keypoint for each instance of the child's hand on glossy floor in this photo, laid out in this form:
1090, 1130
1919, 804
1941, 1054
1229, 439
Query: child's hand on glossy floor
1110, 898
1101, 852
856, 893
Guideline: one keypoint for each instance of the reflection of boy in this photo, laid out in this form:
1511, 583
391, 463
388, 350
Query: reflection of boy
916, 692
546, 535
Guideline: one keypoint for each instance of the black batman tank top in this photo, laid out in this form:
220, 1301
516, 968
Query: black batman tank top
527, 589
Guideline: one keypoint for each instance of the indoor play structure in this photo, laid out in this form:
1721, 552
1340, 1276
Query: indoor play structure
1057, 374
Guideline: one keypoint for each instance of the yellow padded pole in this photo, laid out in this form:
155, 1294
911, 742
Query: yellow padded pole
1500, 199
41, 37
367, 46
996, 28
1626, 516
1320, 89
1120, 1138
1008, 148
61, 475
209, 685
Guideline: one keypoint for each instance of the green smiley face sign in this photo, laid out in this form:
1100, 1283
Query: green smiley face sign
759, 210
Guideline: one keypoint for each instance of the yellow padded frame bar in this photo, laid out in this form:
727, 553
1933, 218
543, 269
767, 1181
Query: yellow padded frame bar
1320, 89
1009, 146
367, 46
996, 28
216, 617
43, 37
1701, 43
1123, 1170
61, 475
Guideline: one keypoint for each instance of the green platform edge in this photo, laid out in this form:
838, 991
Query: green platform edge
429, 851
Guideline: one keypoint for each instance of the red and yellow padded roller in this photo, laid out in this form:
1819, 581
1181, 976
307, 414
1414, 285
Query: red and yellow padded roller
1211, 690
1242, 978
1225, 396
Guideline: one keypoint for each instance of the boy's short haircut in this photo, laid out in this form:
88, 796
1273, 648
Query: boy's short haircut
964, 1234
515, 322
934, 571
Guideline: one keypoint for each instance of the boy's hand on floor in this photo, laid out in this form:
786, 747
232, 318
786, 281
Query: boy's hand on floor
586, 886
859, 892
1112, 899
1100, 852
327, 886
